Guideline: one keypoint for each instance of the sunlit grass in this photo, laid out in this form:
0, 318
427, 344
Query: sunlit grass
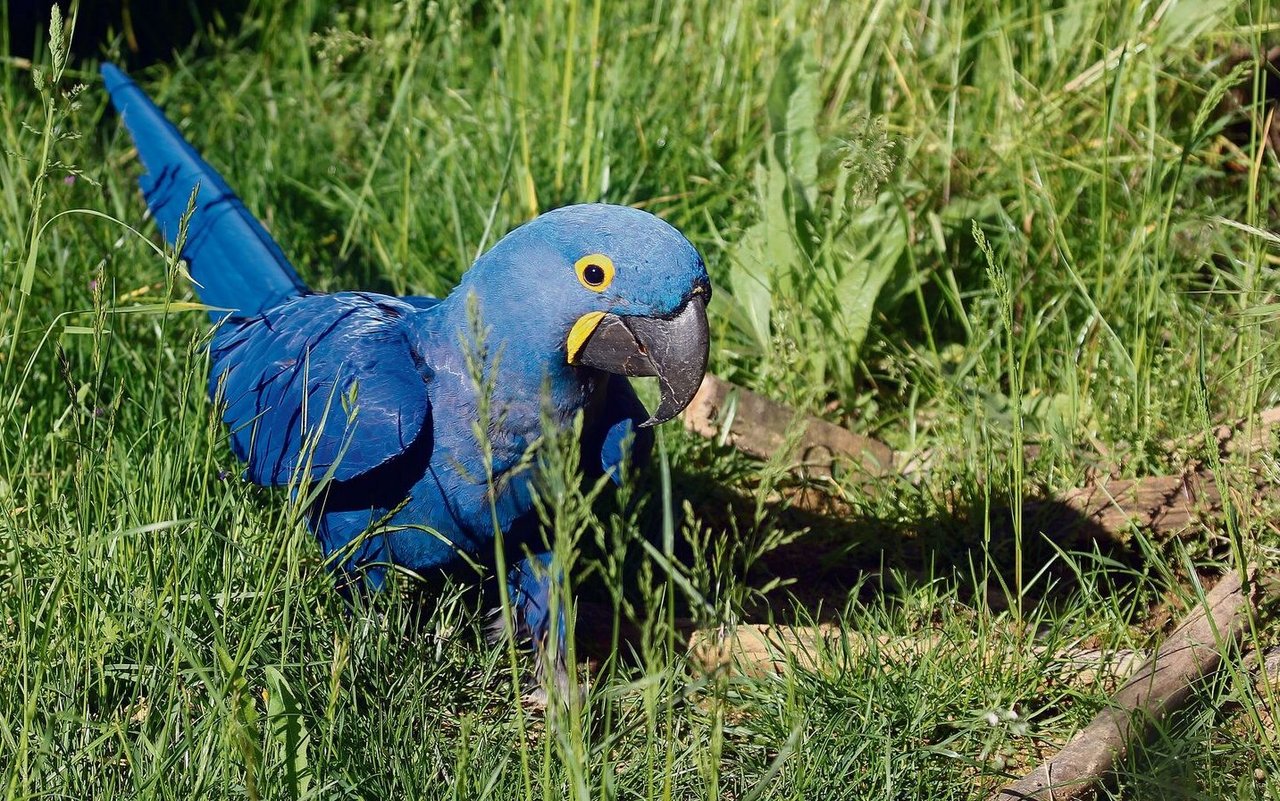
169, 631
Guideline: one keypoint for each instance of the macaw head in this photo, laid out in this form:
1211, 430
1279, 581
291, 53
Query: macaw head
604, 287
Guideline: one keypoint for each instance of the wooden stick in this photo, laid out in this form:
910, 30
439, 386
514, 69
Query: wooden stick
1164, 505
1161, 686
760, 427
757, 650
1161, 504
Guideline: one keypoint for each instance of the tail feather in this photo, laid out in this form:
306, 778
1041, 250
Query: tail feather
234, 261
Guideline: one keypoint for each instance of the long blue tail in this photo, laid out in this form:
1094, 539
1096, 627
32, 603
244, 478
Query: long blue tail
234, 261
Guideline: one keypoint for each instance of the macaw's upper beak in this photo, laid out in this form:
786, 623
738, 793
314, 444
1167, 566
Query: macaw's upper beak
672, 348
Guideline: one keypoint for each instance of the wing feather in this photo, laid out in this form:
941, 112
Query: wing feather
321, 382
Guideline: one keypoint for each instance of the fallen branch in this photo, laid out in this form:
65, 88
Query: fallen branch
1164, 505
759, 427
757, 650
1161, 686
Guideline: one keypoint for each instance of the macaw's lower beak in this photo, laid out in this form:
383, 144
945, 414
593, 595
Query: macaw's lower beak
672, 348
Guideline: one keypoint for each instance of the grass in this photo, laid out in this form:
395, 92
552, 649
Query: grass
1019, 208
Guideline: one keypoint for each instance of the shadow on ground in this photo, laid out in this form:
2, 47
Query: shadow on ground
838, 554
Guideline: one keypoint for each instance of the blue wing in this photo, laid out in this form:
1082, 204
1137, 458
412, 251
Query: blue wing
319, 381
234, 261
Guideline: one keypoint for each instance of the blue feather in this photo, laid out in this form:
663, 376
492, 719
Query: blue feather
321, 385
234, 261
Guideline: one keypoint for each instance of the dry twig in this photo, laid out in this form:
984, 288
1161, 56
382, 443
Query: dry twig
1162, 685
1164, 505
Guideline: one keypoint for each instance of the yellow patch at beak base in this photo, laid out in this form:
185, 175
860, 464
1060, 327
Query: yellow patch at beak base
582, 329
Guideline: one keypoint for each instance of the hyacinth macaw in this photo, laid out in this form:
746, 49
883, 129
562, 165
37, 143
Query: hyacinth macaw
376, 393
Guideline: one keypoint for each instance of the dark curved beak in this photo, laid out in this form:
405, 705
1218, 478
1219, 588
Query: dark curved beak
672, 348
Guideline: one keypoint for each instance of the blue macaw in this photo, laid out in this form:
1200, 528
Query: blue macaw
378, 395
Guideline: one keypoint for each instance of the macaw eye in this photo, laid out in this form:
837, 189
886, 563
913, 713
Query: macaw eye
595, 272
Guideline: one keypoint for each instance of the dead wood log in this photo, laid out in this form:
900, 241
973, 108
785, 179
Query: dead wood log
759, 427
758, 650
1161, 686
1164, 505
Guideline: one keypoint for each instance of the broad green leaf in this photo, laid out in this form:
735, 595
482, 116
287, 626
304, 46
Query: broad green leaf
287, 725
875, 243
794, 103
765, 255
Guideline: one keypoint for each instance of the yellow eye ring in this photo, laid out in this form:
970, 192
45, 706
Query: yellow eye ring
595, 271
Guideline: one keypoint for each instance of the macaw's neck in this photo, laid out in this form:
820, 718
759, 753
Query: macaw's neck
514, 334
